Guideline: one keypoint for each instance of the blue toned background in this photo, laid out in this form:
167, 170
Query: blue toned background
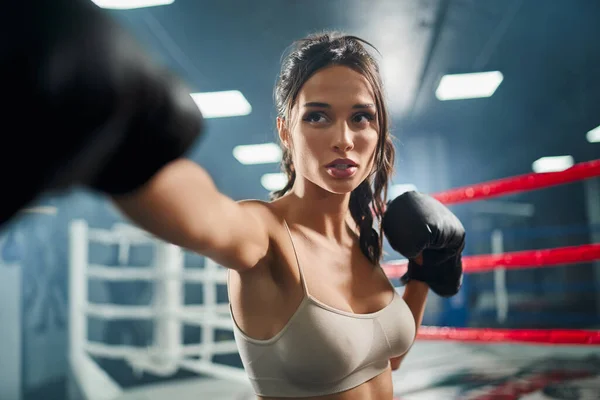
546, 104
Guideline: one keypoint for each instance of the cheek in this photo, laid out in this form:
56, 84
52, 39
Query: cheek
368, 143
307, 149
310, 145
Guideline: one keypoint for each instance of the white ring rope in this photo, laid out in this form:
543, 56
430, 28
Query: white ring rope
148, 273
168, 353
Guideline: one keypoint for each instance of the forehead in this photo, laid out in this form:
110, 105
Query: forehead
338, 86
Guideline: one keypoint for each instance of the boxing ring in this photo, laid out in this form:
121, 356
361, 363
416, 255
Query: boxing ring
167, 354
445, 362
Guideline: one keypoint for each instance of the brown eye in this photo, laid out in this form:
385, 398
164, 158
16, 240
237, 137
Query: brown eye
315, 117
363, 118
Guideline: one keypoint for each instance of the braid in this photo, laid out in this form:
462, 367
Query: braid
360, 209
288, 168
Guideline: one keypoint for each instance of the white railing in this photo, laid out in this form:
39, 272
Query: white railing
500, 290
167, 354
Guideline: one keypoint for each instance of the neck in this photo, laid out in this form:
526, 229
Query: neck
319, 210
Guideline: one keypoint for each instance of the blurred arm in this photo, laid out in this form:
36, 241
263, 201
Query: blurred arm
181, 205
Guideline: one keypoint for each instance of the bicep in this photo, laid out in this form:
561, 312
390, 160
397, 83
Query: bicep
181, 205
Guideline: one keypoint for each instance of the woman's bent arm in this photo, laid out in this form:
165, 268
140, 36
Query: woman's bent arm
415, 296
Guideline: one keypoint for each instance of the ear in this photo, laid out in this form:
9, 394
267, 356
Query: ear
284, 133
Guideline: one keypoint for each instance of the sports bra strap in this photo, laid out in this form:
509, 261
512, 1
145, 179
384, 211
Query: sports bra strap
302, 280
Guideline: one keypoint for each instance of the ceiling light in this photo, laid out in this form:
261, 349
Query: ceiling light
552, 164
48, 210
468, 86
131, 4
258, 153
231, 103
593, 136
273, 182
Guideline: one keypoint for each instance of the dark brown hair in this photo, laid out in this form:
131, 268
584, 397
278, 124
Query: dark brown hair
307, 56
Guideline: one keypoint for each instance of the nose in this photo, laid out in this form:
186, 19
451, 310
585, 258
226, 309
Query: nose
343, 142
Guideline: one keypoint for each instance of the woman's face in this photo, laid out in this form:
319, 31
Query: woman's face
333, 130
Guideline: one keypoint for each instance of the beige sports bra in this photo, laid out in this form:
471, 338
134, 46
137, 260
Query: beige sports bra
322, 350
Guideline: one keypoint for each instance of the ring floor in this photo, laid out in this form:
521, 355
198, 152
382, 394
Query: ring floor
446, 370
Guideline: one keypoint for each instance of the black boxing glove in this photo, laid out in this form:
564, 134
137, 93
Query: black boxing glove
88, 106
416, 224
162, 127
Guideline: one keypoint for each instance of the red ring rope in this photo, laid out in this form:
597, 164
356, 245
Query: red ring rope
557, 336
516, 260
519, 183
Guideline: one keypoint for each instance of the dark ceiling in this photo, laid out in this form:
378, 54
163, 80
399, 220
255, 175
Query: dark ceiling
548, 51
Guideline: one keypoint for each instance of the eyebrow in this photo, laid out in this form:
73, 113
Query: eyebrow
325, 105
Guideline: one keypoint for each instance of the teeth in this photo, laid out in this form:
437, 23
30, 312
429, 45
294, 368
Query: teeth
342, 166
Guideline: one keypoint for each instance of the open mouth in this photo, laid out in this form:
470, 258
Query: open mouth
342, 168
342, 163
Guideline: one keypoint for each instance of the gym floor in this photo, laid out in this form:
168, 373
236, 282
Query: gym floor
438, 370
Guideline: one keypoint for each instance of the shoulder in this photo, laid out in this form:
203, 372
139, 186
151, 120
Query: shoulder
255, 205
269, 214
260, 209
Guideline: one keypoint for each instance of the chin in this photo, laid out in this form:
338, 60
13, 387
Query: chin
340, 186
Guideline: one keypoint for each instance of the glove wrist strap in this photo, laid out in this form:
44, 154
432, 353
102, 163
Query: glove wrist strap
410, 273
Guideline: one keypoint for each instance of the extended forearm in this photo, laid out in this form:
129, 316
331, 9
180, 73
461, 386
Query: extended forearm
177, 205
182, 205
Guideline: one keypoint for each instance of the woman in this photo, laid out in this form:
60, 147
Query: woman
314, 314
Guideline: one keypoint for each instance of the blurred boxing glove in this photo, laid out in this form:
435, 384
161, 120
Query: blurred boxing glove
84, 104
416, 224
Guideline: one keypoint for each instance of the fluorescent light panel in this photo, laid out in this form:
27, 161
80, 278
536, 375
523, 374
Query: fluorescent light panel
48, 210
230, 103
258, 153
273, 182
468, 86
130, 4
593, 136
553, 164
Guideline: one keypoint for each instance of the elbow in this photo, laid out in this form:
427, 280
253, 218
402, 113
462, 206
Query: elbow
395, 363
